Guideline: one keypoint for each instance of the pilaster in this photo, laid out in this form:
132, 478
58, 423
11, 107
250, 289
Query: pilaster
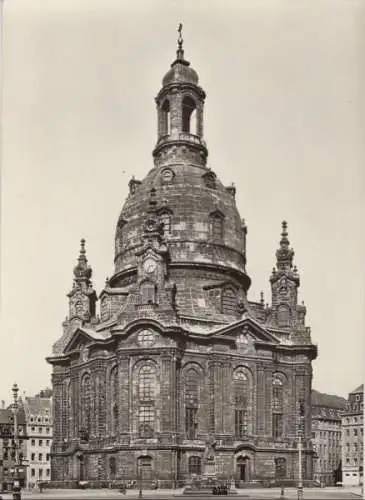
124, 395
261, 424
227, 403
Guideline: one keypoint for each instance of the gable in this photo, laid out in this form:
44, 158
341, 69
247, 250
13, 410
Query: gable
247, 331
80, 339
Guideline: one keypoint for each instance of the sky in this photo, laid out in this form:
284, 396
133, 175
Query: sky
284, 121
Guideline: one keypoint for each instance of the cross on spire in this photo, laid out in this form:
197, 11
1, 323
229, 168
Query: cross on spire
180, 41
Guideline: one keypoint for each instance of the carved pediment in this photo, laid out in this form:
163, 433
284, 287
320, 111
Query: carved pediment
245, 341
247, 332
80, 340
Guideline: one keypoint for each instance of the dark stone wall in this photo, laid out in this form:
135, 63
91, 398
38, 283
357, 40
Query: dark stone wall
169, 448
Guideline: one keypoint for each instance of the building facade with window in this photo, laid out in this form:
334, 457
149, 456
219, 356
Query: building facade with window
353, 438
38, 412
181, 374
8, 447
326, 434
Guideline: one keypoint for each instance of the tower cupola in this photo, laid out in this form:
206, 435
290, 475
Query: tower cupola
180, 105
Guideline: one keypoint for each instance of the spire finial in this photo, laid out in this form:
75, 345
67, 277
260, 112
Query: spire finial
180, 41
82, 270
285, 254
82, 247
284, 242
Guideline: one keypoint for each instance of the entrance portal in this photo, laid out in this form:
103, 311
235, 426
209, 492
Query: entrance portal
242, 472
81, 467
242, 469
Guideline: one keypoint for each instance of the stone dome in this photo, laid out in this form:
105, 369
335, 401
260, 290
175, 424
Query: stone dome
192, 197
180, 72
193, 216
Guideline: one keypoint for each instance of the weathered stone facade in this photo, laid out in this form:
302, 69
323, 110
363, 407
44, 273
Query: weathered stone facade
353, 439
326, 434
181, 374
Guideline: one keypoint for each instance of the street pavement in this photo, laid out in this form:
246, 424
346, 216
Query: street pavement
244, 494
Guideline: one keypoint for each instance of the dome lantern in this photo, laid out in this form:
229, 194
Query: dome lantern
180, 105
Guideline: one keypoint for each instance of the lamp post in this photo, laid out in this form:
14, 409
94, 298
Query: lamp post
300, 432
139, 471
16, 485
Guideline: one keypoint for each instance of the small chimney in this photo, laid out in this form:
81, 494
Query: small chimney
2, 404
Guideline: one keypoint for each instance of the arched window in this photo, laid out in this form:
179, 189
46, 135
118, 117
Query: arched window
148, 292
147, 383
114, 400
241, 394
283, 315
79, 308
191, 403
277, 407
112, 467
85, 407
189, 115
165, 219
229, 301
146, 396
209, 179
194, 466
165, 119
146, 417
280, 468
216, 225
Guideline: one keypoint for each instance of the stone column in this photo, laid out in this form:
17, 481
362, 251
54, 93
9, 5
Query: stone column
57, 384
308, 402
211, 386
124, 385
216, 402
179, 419
227, 399
74, 431
200, 119
175, 114
299, 394
102, 400
261, 427
167, 392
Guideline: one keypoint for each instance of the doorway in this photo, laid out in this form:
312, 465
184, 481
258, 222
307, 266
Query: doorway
242, 472
242, 469
81, 473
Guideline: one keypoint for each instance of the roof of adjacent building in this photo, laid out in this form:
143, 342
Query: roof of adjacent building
36, 405
328, 400
6, 416
358, 390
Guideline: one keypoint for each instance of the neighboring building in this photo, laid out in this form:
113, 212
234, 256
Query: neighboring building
326, 434
182, 374
7, 447
353, 438
38, 413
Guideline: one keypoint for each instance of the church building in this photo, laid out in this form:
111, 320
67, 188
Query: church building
171, 372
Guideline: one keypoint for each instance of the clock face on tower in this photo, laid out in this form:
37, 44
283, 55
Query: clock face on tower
149, 265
